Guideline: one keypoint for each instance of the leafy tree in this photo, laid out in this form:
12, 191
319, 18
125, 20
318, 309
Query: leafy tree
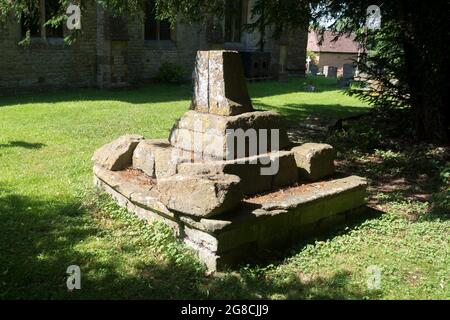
410, 62
410, 59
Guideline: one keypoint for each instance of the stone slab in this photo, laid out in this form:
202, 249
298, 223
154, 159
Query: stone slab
348, 71
140, 190
330, 71
142, 212
258, 174
201, 195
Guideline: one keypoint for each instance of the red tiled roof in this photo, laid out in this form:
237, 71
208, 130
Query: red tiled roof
342, 45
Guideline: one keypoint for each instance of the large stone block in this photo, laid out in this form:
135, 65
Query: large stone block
220, 85
157, 158
315, 161
144, 159
258, 174
201, 195
226, 138
118, 154
287, 173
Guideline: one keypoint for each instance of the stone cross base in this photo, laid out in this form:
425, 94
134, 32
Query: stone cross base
203, 201
218, 153
260, 224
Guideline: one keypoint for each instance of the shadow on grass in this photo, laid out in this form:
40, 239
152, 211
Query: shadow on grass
296, 113
276, 257
399, 172
248, 285
41, 238
22, 144
156, 93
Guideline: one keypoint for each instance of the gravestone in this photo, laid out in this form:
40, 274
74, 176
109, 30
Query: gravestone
314, 69
348, 71
330, 71
219, 152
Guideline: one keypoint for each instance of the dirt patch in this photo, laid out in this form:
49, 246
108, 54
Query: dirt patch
282, 193
138, 177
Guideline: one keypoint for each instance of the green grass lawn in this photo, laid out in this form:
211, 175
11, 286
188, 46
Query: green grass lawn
50, 217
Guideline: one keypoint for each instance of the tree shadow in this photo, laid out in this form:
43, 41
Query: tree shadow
155, 93
41, 238
294, 114
399, 170
159, 93
247, 285
22, 144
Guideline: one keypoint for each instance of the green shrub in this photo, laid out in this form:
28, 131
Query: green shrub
170, 73
312, 56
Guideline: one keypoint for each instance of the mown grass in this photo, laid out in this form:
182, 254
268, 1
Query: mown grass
50, 217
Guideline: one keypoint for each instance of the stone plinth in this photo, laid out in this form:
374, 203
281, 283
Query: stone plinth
218, 137
255, 172
265, 222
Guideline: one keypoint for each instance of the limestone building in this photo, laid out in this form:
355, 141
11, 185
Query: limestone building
115, 52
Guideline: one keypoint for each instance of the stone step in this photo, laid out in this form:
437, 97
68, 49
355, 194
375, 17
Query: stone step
258, 174
264, 222
223, 137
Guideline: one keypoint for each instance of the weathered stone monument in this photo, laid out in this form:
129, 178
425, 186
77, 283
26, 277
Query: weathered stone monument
228, 181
